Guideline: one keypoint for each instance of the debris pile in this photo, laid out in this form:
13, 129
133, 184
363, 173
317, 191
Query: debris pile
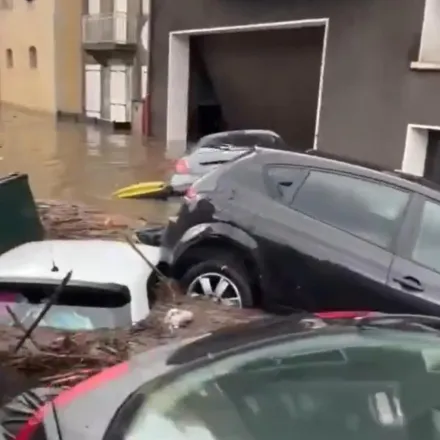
56, 358
52, 358
64, 220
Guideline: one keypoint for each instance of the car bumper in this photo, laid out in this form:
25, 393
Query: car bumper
181, 182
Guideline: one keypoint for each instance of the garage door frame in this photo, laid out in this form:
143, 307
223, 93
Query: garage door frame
178, 71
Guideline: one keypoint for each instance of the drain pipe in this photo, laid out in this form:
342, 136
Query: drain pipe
147, 6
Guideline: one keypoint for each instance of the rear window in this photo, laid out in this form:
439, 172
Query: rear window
79, 308
241, 139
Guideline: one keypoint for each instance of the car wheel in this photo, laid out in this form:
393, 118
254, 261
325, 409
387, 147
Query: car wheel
221, 277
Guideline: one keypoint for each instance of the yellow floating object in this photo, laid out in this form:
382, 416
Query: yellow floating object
143, 190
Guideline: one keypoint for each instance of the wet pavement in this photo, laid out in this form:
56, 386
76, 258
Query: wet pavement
82, 163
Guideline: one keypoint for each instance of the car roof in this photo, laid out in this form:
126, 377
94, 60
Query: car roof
328, 161
92, 261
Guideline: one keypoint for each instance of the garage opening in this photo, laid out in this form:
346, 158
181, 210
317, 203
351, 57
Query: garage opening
205, 115
251, 77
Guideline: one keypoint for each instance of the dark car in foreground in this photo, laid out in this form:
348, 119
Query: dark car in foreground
306, 377
293, 231
216, 149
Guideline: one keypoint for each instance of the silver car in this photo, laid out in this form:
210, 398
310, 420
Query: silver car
216, 149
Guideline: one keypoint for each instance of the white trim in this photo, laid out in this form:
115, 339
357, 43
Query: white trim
420, 65
146, 6
178, 71
254, 27
321, 85
416, 145
429, 49
425, 13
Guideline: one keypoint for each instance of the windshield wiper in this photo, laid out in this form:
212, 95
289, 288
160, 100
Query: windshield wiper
400, 322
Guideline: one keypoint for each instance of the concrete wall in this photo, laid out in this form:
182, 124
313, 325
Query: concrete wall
28, 24
68, 56
370, 93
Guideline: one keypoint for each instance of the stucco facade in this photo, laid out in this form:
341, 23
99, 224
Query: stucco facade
370, 93
115, 59
50, 79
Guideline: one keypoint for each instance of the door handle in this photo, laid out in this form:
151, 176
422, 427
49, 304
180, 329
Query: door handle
410, 283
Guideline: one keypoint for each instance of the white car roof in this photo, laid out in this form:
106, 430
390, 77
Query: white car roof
94, 261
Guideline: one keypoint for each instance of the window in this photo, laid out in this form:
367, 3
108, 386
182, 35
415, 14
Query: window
145, 7
9, 59
284, 180
33, 58
363, 208
78, 307
427, 248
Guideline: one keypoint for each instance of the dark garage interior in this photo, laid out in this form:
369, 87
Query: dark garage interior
256, 79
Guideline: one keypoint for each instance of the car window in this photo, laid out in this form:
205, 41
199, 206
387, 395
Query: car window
427, 247
284, 179
363, 208
79, 308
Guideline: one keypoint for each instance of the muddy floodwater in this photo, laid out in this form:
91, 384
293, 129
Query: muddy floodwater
82, 163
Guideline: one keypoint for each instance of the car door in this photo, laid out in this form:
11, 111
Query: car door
271, 227
415, 272
340, 231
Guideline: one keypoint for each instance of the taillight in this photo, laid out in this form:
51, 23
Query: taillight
107, 375
182, 167
191, 194
342, 315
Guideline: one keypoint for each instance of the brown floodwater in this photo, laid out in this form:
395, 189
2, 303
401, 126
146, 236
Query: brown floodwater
82, 163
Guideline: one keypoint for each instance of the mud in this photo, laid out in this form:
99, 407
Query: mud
63, 220
58, 359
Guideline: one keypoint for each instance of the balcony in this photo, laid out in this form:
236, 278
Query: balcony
113, 31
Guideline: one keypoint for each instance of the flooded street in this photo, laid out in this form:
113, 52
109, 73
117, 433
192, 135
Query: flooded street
82, 163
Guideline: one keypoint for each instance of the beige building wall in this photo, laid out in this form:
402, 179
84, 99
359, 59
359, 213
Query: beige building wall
28, 24
68, 56
53, 27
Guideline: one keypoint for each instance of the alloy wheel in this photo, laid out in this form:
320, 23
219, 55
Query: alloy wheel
216, 286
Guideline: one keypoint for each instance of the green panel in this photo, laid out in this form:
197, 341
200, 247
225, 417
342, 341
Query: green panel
19, 219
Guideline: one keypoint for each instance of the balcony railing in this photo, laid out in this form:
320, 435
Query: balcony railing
114, 28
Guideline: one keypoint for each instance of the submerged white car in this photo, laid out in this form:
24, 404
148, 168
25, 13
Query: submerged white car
108, 287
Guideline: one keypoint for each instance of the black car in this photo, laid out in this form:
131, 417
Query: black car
291, 231
305, 377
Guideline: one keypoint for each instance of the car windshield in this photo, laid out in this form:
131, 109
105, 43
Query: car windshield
382, 385
65, 315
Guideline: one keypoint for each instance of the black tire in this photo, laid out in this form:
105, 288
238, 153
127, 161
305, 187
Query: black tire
226, 265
